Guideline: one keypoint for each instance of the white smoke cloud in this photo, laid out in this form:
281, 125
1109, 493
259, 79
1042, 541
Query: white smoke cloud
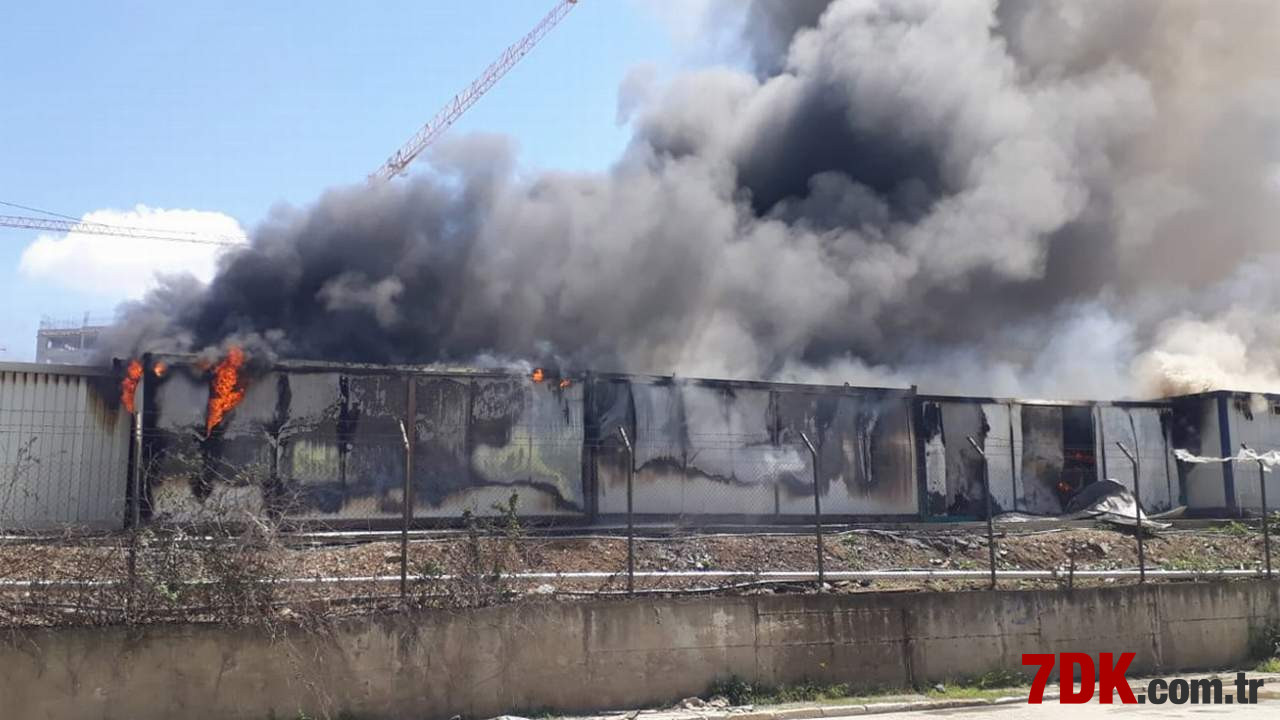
120, 268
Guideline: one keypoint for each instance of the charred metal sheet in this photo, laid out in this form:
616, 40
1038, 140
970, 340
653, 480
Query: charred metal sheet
934, 456
965, 483
524, 437
441, 465
194, 477
1144, 430
731, 464
342, 450
64, 448
866, 445
1043, 459
699, 449
320, 445
1196, 428
1040, 453
611, 409
708, 448
957, 468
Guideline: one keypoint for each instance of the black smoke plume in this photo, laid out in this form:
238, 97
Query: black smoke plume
1057, 197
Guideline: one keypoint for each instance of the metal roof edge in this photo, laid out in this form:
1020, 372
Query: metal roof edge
54, 369
442, 370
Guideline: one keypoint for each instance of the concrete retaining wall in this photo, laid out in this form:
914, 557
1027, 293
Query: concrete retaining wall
590, 656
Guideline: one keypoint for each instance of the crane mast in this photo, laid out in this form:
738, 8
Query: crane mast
454, 109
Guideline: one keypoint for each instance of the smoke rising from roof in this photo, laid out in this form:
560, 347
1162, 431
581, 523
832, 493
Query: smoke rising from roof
1050, 197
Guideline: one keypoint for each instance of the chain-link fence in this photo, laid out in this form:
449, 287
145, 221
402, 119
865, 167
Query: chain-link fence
252, 564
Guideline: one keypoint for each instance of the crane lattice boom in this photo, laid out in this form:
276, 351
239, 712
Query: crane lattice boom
70, 226
463, 101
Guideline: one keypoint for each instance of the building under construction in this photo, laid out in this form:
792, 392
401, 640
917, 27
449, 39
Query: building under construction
68, 342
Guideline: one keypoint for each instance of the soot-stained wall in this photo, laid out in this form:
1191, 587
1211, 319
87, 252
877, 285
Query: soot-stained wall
320, 443
1201, 426
1148, 433
325, 443
1039, 454
1255, 421
719, 448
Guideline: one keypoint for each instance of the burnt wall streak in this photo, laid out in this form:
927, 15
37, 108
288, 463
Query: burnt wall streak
1043, 456
932, 456
1080, 462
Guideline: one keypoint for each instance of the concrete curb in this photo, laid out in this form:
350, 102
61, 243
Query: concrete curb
812, 712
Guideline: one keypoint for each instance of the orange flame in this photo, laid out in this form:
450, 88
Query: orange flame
538, 376
225, 389
564, 383
159, 369
129, 385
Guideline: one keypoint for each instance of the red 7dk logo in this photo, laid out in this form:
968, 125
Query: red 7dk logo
1111, 678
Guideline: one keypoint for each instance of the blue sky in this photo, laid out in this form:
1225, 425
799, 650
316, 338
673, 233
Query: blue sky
235, 106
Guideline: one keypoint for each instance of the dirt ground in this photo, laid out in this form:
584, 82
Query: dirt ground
1233, 546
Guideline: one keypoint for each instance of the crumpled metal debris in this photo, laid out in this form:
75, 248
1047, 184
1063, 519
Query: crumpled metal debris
1105, 500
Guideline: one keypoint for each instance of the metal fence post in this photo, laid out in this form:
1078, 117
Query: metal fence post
991, 528
135, 481
817, 510
1137, 513
631, 529
407, 492
1266, 524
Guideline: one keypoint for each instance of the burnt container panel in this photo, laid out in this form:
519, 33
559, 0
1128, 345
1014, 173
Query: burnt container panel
866, 452
342, 446
1144, 431
1043, 457
955, 469
1197, 429
521, 438
441, 466
700, 449
720, 448
659, 444
1255, 421
610, 410
731, 464
192, 475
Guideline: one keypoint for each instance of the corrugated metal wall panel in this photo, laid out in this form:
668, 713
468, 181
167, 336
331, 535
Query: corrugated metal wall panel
63, 449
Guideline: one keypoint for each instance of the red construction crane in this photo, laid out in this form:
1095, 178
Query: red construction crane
402, 158
395, 165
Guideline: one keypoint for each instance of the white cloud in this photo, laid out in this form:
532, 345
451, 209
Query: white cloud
119, 268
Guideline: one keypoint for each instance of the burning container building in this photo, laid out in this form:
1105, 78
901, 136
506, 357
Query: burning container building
367, 445
353, 443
